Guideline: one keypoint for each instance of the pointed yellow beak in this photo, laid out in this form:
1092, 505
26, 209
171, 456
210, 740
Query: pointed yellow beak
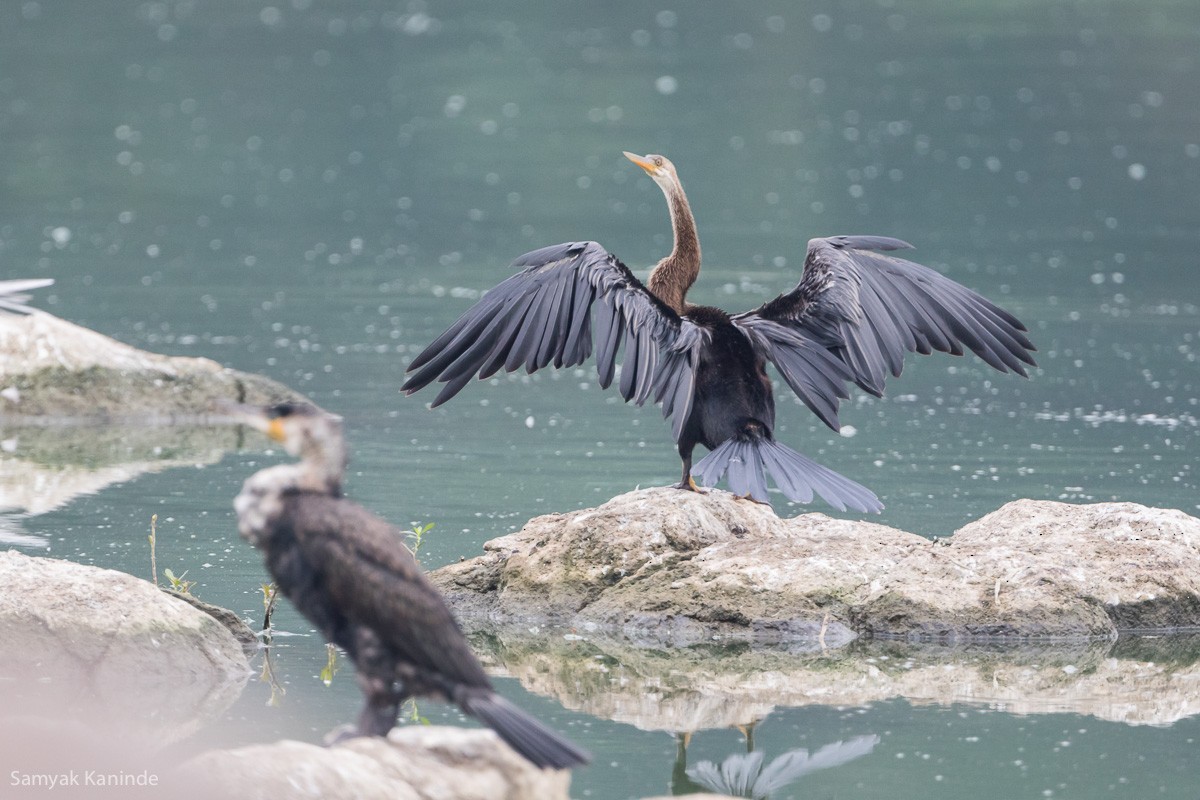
641, 162
254, 417
275, 430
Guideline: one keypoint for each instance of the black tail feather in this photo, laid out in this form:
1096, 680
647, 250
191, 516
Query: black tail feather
742, 459
529, 737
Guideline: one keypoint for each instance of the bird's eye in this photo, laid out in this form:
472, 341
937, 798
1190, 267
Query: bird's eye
281, 410
658, 161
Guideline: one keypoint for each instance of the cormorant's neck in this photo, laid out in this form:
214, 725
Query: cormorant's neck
676, 273
261, 501
308, 475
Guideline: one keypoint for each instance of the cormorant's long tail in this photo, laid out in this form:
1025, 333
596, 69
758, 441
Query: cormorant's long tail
533, 740
743, 458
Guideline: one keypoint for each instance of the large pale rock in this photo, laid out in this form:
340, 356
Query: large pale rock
679, 567
53, 368
1038, 568
110, 652
412, 763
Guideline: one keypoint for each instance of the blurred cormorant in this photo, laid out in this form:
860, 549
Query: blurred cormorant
350, 573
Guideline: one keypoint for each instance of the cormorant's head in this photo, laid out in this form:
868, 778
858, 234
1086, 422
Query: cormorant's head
657, 167
304, 430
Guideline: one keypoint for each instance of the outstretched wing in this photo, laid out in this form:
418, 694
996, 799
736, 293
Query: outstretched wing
857, 311
567, 297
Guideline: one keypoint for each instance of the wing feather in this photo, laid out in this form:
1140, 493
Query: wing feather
866, 309
546, 314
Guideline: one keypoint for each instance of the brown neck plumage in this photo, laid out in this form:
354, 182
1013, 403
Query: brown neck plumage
676, 273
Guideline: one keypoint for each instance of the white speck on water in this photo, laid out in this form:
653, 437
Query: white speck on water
666, 84
822, 23
666, 19
455, 103
61, 235
1137, 171
270, 16
848, 431
530, 421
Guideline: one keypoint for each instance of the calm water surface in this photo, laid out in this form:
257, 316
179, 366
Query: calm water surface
313, 190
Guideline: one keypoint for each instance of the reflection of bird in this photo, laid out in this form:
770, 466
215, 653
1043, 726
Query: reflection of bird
743, 774
13, 293
351, 574
853, 315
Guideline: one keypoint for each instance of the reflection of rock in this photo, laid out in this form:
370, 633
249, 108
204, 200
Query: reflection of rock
744, 775
682, 689
43, 468
413, 763
670, 566
52, 368
102, 649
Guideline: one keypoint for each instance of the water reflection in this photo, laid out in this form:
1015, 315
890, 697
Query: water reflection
43, 468
1136, 681
745, 774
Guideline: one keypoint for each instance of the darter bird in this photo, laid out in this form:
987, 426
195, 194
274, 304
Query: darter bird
850, 320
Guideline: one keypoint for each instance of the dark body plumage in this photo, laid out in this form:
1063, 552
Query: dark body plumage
350, 573
732, 394
850, 320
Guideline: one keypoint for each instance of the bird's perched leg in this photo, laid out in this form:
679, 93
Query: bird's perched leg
377, 678
688, 482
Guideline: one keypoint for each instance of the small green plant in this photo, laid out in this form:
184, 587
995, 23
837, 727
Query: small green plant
151, 537
331, 665
413, 714
417, 536
270, 599
178, 583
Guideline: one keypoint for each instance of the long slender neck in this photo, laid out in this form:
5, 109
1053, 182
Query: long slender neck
676, 273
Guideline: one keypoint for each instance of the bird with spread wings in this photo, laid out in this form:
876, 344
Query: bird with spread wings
857, 310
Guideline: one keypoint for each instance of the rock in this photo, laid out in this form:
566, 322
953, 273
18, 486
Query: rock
52, 368
679, 567
1135, 680
245, 636
91, 645
1046, 569
413, 763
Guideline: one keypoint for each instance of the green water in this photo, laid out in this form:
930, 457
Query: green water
312, 190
